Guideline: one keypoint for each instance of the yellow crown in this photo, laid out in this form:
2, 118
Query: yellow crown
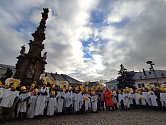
23, 88
0, 83
33, 85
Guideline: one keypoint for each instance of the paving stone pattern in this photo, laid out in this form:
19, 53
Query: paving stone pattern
132, 117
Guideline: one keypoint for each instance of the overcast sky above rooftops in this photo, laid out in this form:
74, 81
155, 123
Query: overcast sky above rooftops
87, 39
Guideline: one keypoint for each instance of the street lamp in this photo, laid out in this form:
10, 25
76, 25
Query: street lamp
152, 69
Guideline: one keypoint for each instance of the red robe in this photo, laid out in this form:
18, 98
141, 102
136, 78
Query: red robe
108, 98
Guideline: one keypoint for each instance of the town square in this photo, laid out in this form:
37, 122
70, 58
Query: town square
83, 62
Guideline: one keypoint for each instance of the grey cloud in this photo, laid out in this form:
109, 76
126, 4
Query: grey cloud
147, 33
144, 38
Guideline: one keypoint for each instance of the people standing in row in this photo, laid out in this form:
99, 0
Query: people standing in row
54, 99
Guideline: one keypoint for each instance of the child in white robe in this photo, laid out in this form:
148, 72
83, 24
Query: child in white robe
114, 99
41, 101
131, 98
52, 102
9, 99
69, 101
60, 100
120, 100
142, 100
1, 95
137, 97
163, 98
31, 103
85, 101
77, 101
147, 98
126, 100
23, 102
153, 98
94, 101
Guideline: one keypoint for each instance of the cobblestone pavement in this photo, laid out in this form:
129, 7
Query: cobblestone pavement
132, 117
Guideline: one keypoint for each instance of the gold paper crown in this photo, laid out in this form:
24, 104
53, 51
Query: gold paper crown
77, 88
119, 91
0, 83
87, 89
33, 86
23, 88
61, 86
54, 82
164, 89
82, 88
36, 90
44, 82
92, 88
53, 92
86, 83
15, 82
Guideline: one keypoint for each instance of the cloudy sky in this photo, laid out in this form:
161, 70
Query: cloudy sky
88, 39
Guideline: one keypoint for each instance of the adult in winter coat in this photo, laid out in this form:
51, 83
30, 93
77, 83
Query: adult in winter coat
108, 99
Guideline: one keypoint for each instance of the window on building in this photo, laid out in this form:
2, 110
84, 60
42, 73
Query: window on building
162, 75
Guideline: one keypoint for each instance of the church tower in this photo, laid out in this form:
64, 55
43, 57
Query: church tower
30, 65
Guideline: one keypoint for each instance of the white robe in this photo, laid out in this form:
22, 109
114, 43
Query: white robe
142, 100
120, 98
69, 99
22, 105
153, 98
137, 97
147, 98
32, 103
1, 92
114, 98
60, 101
77, 101
94, 100
90, 102
163, 99
86, 99
130, 95
126, 100
41, 102
8, 98
1, 95
52, 106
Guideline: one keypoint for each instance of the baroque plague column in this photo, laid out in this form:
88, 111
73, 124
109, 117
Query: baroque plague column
30, 65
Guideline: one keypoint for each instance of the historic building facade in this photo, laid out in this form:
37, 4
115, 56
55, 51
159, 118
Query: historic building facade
143, 79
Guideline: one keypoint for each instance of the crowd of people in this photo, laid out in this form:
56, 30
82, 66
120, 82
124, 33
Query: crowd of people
59, 99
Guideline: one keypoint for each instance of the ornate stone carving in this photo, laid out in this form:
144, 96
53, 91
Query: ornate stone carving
22, 52
30, 72
45, 56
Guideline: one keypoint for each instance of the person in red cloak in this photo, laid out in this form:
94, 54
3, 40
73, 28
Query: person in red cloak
108, 99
